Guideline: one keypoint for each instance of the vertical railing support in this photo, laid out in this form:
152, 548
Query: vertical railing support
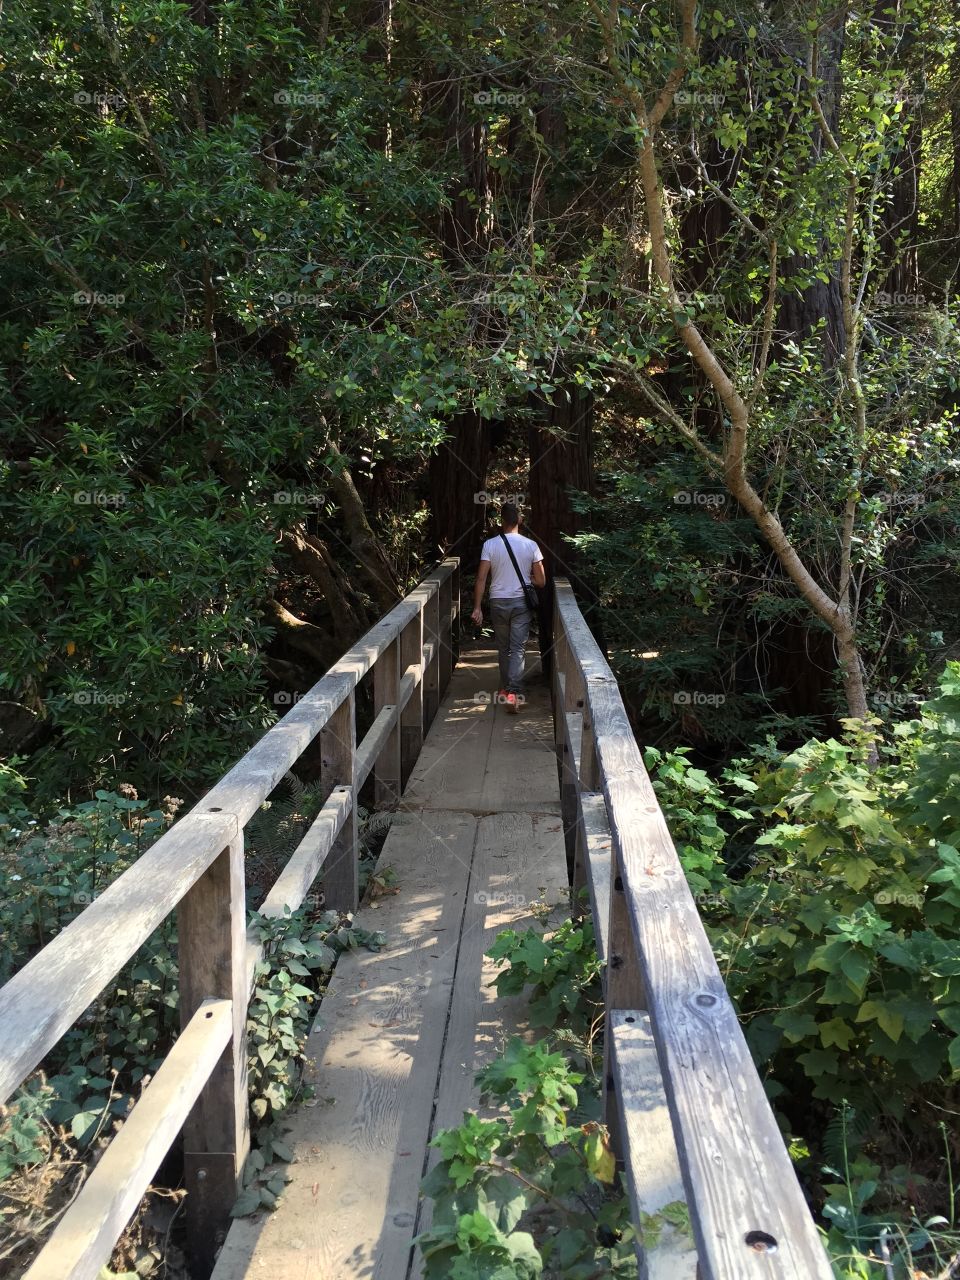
338, 753
216, 1137
445, 630
432, 635
455, 613
411, 717
386, 692
623, 989
570, 700
588, 779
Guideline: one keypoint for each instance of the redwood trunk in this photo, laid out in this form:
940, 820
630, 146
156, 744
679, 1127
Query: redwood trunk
560, 460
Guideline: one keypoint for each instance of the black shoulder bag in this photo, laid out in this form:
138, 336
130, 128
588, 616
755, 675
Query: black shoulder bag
529, 594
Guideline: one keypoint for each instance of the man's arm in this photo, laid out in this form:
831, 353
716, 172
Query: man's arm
481, 585
538, 575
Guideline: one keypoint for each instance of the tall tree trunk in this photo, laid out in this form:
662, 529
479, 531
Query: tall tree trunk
560, 460
458, 469
799, 314
457, 478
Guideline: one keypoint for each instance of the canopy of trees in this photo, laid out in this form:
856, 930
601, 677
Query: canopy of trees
292, 292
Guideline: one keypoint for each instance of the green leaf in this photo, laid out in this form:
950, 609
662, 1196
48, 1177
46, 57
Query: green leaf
83, 1123
836, 1032
600, 1159
247, 1202
888, 1017
795, 1025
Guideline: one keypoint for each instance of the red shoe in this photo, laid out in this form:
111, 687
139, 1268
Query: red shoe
513, 706
501, 697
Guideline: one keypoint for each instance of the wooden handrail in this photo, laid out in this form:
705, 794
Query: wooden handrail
89, 1229
196, 868
669, 1017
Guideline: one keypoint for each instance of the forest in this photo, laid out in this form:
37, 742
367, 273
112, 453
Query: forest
295, 295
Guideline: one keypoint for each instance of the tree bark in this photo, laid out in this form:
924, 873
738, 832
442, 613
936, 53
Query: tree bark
560, 460
374, 563
458, 472
304, 636
732, 464
309, 560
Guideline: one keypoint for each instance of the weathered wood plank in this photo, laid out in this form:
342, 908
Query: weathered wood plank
432, 642
518, 861
408, 684
374, 1057
85, 1236
211, 941
595, 834
446, 637
569, 789
51, 991
573, 739
44, 999
294, 881
653, 1171
375, 741
737, 1173
411, 707
250, 781
385, 1021
386, 760
338, 762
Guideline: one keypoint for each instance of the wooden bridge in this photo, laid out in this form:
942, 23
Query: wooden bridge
481, 832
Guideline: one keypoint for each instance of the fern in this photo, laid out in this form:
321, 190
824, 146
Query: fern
280, 824
845, 1133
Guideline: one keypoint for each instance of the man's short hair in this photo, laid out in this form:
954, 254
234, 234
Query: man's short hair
509, 514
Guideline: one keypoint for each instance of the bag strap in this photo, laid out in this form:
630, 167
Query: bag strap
527, 588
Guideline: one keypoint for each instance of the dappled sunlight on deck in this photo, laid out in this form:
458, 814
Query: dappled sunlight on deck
475, 845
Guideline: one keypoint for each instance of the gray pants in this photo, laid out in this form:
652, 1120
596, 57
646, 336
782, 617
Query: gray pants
511, 627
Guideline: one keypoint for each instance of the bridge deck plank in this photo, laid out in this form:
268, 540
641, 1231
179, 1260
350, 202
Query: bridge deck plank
401, 1032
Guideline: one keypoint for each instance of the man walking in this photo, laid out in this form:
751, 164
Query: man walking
514, 566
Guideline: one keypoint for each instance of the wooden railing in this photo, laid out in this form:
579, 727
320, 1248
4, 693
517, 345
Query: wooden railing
690, 1117
197, 868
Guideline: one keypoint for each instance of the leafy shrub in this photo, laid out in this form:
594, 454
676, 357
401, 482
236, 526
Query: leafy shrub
295, 945
51, 870
492, 1171
839, 941
563, 970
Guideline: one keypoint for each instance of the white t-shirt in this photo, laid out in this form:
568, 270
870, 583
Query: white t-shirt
504, 583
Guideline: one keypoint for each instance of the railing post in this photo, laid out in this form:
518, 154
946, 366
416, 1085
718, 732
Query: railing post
338, 753
623, 989
211, 921
588, 779
455, 612
445, 629
571, 781
431, 676
411, 717
386, 692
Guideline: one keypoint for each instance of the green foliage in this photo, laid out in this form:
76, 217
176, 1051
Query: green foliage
492, 1171
295, 946
693, 803
839, 940
563, 970
24, 1138
263, 1179
52, 869
208, 328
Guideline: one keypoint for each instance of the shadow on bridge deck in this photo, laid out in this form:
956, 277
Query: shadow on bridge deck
476, 842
